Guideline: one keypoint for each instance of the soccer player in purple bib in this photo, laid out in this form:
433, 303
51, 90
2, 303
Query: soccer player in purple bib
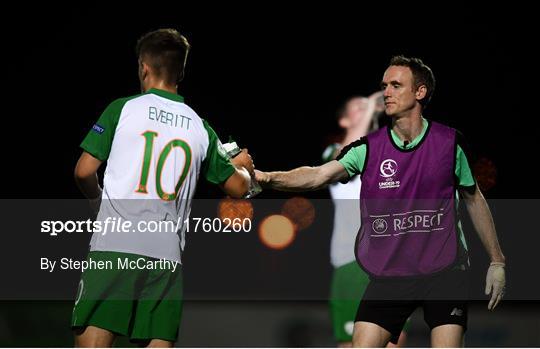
410, 242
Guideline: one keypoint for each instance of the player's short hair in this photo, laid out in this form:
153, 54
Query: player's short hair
422, 74
165, 50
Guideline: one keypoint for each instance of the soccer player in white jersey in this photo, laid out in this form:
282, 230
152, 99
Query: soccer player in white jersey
156, 148
359, 116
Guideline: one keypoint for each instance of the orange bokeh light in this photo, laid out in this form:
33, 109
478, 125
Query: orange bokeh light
486, 173
300, 211
276, 232
232, 208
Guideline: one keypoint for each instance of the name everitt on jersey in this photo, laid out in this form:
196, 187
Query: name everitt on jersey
168, 118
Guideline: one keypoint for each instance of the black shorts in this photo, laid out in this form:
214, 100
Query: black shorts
390, 302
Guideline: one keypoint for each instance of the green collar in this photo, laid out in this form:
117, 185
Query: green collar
165, 94
399, 143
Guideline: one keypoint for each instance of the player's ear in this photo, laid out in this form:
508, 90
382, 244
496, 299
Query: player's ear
421, 92
181, 76
145, 70
183, 72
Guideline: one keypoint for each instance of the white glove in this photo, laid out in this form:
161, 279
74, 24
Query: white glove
495, 283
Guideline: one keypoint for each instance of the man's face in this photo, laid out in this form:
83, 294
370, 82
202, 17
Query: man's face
398, 90
355, 111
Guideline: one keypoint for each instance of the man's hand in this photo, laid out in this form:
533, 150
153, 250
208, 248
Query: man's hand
483, 223
377, 100
262, 177
244, 160
495, 283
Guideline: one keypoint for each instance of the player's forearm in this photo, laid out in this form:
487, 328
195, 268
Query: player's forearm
86, 175
485, 227
363, 126
300, 179
88, 185
350, 137
360, 130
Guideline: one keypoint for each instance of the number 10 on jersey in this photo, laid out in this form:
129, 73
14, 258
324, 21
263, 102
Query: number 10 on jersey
149, 137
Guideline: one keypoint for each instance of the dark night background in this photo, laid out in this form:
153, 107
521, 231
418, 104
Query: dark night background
272, 76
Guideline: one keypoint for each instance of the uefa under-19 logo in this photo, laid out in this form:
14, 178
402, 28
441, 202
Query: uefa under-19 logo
388, 168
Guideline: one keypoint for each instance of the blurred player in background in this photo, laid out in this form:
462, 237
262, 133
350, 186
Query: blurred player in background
359, 116
156, 148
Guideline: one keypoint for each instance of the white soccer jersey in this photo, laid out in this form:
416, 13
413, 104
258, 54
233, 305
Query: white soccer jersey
346, 198
156, 147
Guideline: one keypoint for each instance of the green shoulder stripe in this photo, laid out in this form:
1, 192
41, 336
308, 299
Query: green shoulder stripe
217, 167
99, 140
353, 157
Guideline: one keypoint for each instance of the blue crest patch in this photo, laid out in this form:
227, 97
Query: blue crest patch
98, 128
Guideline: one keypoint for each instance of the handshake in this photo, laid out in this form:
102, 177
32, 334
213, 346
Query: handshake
241, 158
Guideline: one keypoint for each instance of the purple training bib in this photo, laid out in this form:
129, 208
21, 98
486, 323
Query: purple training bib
407, 205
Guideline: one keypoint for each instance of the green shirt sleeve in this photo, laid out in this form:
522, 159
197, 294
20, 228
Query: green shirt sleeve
353, 157
463, 170
217, 167
99, 140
